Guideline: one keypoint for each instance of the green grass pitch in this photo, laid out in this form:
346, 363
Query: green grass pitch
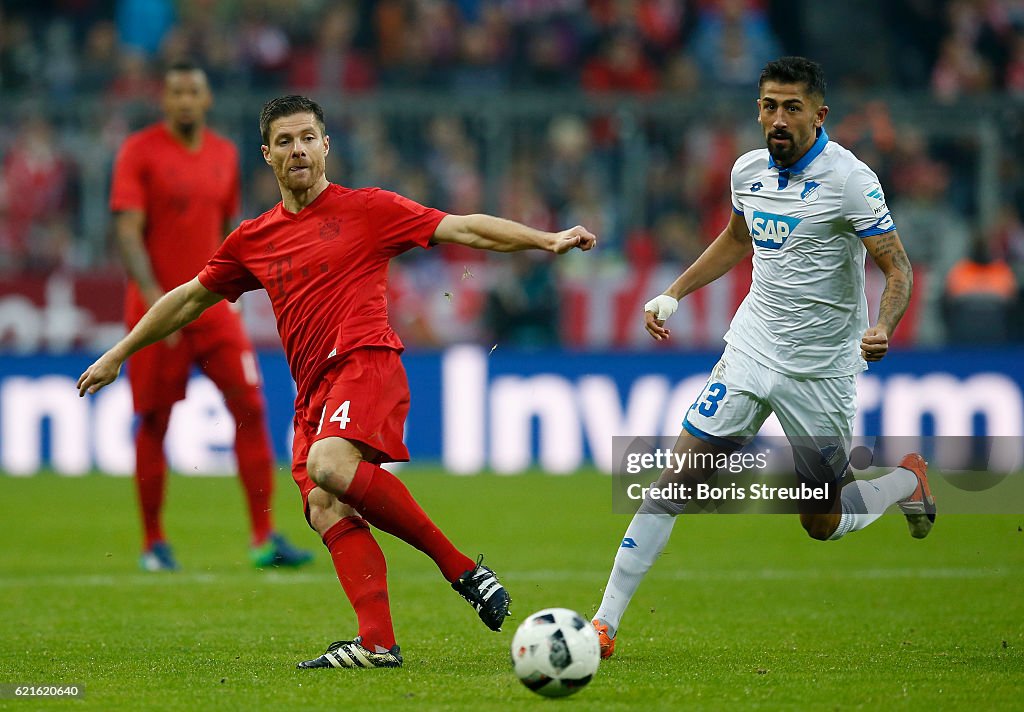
742, 611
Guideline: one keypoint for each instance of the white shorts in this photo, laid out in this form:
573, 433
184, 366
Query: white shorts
815, 413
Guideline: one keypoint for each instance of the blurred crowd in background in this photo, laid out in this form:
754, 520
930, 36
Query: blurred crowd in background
623, 115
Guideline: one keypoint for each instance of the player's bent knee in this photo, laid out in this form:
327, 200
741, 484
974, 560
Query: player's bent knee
332, 464
332, 476
819, 526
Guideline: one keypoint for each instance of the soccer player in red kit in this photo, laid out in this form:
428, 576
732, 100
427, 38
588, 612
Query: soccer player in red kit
175, 191
322, 255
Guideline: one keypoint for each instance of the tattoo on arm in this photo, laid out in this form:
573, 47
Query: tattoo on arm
899, 279
886, 247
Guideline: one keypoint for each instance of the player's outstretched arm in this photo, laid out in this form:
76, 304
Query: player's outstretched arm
486, 232
727, 250
888, 253
172, 311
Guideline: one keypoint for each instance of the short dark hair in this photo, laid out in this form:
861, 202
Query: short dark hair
795, 70
286, 106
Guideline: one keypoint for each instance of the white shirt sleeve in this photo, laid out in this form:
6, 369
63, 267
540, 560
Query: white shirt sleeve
864, 203
733, 178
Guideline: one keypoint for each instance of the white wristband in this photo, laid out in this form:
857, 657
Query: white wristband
662, 306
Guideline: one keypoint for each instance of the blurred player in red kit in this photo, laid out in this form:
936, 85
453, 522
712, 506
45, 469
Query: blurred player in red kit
322, 255
175, 193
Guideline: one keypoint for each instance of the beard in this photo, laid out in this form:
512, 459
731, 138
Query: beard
782, 153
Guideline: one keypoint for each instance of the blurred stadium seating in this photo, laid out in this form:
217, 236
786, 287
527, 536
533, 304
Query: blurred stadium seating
623, 115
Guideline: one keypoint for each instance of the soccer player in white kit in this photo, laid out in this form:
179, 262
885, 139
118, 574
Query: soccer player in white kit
809, 209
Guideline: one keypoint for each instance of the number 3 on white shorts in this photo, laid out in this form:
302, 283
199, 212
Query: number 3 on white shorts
340, 417
715, 392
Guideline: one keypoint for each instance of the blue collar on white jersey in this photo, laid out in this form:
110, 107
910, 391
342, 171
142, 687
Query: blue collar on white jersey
816, 148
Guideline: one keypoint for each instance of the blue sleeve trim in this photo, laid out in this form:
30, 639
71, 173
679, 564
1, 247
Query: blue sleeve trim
696, 432
737, 210
872, 231
875, 229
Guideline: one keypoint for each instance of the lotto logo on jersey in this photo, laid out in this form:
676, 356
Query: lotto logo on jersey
770, 230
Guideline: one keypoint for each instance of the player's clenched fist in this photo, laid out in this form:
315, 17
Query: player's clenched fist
577, 236
874, 344
103, 372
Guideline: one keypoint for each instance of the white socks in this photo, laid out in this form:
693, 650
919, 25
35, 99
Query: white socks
643, 543
864, 501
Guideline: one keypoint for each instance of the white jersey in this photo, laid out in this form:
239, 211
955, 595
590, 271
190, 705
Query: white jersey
806, 310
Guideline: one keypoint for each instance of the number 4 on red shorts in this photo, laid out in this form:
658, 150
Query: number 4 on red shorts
340, 417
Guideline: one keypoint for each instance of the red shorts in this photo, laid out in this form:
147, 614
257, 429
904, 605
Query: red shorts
363, 397
215, 342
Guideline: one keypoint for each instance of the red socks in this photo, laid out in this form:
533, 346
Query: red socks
384, 502
363, 574
151, 473
255, 468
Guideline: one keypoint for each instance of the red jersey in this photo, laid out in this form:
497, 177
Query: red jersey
325, 269
188, 197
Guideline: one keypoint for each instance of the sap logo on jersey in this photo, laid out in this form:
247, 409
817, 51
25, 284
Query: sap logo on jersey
770, 230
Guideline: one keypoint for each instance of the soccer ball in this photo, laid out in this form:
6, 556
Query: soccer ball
555, 652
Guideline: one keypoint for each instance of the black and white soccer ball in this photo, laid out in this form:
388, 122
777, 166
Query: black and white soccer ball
555, 652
